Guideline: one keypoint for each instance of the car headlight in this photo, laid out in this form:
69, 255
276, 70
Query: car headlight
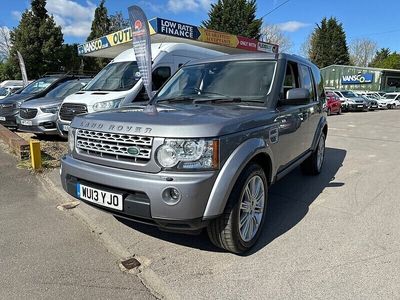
50, 109
350, 101
189, 154
106, 105
71, 140
18, 104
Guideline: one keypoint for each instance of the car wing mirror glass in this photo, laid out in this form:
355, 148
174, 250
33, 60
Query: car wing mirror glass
296, 96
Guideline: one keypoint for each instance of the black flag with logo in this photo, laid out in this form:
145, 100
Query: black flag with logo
141, 45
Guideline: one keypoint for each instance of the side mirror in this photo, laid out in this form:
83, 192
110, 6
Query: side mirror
296, 96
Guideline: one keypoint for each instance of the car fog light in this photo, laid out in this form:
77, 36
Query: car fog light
171, 196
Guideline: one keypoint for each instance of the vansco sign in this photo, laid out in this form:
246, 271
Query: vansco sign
358, 79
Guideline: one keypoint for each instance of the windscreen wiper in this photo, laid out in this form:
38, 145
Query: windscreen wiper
175, 99
214, 100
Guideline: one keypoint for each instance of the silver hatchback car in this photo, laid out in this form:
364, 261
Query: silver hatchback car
40, 115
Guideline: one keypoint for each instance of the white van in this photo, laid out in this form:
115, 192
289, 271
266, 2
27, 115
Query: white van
119, 82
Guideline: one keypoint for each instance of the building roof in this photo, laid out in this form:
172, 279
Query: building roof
364, 68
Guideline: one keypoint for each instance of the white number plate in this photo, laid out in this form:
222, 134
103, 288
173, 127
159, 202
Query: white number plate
99, 197
359, 105
65, 127
26, 122
2, 118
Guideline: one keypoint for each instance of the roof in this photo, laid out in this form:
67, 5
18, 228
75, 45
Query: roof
163, 30
250, 56
363, 68
129, 54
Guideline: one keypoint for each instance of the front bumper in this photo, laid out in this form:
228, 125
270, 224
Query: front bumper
142, 193
357, 107
61, 128
41, 124
382, 106
10, 119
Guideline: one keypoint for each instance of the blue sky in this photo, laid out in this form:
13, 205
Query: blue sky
375, 20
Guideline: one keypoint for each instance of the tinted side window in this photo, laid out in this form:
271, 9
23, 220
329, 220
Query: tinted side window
307, 81
160, 75
319, 82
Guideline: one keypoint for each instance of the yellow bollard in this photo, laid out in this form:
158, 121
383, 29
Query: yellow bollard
36, 156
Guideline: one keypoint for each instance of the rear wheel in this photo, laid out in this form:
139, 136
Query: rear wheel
329, 112
313, 164
239, 227
340, 111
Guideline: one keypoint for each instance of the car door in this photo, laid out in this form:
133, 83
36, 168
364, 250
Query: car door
291, 120
312, 111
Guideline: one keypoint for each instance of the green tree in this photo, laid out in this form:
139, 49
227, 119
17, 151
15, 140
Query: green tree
234, 16
70, 58
392, 61
101, 26
39, 40
380, 56
327, 44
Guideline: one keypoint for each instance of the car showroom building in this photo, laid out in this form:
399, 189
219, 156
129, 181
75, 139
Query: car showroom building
361, 78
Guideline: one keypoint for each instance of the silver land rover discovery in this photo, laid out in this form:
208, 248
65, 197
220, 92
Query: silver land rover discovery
206, 149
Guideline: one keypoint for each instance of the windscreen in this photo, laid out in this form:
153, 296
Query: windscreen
348, 94
390, 96
67, 88
3, 91
39, 85
247, 80
119, 76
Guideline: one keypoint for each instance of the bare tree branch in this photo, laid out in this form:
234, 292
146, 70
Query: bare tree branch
362, 51
5, 42
272, 34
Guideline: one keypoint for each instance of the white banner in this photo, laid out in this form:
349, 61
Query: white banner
23, 69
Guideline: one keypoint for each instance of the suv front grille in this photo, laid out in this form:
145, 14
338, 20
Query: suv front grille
69, 110
28, 113
6, 108
114, 146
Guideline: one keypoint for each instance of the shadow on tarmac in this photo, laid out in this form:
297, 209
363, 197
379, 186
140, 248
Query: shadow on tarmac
288, 203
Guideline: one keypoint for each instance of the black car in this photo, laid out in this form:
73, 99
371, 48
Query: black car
9, 107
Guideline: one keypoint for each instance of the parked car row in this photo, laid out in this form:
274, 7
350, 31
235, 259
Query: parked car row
35, 107
338, 101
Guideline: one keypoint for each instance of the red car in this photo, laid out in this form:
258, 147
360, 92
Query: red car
333, 104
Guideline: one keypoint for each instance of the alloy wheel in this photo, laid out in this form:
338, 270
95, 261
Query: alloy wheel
251, 208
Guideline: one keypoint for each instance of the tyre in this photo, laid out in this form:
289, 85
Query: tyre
313, 164
328, 112
340, 111
239, 227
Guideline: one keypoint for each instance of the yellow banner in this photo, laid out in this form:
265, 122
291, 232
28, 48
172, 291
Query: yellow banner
219, 38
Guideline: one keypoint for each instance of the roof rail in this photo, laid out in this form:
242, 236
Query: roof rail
77, 74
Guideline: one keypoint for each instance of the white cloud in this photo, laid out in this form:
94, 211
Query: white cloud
16, 14
75, 19
177, 6
157, 8
292, 26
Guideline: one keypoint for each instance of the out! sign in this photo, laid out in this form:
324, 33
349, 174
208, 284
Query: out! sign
358, 79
